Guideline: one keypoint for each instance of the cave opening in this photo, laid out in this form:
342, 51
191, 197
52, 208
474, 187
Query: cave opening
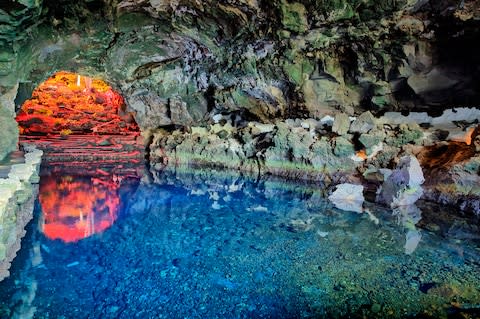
92, 147
74, 118
69, 103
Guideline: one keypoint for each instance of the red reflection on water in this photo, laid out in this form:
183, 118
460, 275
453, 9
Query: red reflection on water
78, 207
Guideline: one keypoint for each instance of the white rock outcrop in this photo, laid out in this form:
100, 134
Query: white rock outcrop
17, 197
348, 197
403, 185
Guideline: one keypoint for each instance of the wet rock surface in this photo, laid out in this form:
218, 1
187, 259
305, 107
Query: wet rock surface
18, 192
402, 186
348, 197
312, 150
184, 67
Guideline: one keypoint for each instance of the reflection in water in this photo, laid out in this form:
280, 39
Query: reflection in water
207, 246
409, 216
78, 207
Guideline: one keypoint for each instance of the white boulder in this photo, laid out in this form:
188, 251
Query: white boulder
348, 197
403, 186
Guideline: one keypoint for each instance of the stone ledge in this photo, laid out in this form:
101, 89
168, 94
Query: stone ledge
309, 149
17, 197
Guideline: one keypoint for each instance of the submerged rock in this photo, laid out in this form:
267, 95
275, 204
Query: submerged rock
408, 217
260, 62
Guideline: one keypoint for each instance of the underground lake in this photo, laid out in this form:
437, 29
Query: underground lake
121, 230
206, 244
239, 159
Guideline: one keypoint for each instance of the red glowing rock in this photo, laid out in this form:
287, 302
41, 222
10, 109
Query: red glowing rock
68, 103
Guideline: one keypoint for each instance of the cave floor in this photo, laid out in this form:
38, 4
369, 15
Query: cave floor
120, 149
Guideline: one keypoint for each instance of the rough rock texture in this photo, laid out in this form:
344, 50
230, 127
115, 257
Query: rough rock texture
291, 149
403, 185
17, 196
458, 186
267, 60
9, 131
247, 83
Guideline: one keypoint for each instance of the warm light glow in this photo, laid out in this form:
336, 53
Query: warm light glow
465, 137
68, 103
361, 154
468, 136
76, 208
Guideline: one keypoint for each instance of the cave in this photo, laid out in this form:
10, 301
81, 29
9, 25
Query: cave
81, 114
74, 120
69, 103
239, 159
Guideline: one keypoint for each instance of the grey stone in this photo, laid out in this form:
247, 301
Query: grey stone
151, 110
179, 113
364, 123
17, 197
348, 197
8, 125
341, 124
9, 133
403, 186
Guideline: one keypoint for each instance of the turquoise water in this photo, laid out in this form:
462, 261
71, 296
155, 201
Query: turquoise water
203, 245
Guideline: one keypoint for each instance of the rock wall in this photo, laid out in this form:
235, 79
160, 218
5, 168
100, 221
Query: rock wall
18, 193
377, 152
9, 134
253, 84
182, 62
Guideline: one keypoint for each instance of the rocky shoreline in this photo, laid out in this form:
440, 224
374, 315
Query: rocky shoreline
335, 150
336, 92
18, 193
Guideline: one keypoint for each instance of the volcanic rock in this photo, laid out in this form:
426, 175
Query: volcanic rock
403, 186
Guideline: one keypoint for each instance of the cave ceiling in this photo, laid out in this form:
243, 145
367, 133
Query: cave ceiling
181, 62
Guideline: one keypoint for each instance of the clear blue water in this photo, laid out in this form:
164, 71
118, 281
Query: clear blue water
215, 246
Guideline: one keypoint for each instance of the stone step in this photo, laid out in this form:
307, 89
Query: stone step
11, 159
81, 148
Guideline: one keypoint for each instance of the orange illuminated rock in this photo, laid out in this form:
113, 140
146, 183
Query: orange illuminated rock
76, 208
362, 154
444, 155
68, 103
466, 137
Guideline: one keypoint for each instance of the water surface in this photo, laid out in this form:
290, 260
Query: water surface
204, 245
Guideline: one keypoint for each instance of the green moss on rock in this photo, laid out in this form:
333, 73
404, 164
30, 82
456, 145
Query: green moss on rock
298, 71
371, 139
340, 10
294, 17
343, 147
405, 133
